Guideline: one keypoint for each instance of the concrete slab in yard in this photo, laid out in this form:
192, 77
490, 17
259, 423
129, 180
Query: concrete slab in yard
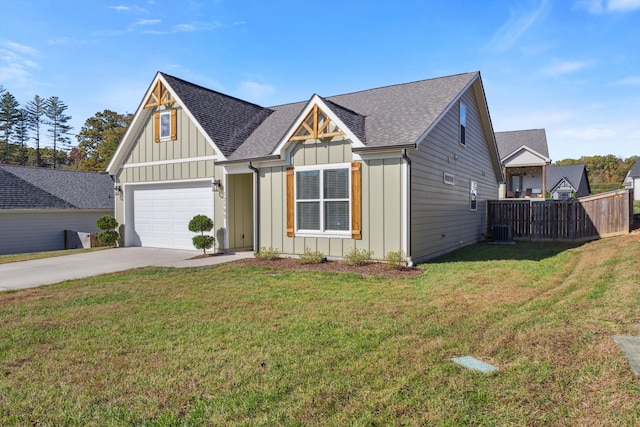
474, 364
631, 348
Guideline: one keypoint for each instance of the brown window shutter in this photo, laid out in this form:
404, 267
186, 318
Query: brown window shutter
356, 201
290, 204
156, 126
174, 116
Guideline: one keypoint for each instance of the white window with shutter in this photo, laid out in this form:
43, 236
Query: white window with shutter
323, 200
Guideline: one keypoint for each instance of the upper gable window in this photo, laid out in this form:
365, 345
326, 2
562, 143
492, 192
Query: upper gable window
463, 124
164, 125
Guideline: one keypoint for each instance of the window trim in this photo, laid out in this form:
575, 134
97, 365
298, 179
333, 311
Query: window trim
462, 137
165, 113
322, 232
473, 196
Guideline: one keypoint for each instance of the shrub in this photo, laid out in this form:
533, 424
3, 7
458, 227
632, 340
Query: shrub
312, 257
357, 257
200, 224
107, 224
396, 260
109, 237
268, 254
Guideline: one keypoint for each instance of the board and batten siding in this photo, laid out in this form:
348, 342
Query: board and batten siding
524, 158
27, 231
381, 203
440, 216
170, 160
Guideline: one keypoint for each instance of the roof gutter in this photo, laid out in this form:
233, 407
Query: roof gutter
256, 209
254, 159
369, 148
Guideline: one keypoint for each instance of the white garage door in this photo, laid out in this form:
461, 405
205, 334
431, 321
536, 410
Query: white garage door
161, 214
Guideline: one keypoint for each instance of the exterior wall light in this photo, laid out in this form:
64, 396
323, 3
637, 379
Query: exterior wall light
216, 185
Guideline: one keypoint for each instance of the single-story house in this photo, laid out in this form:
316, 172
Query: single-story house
568, 181
38, 204
524, 156
633, 180
405, 168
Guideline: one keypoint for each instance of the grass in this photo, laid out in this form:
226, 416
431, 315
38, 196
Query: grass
5, 259
231, 345
636, 206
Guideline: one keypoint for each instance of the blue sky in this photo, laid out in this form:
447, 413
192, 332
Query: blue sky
571, 67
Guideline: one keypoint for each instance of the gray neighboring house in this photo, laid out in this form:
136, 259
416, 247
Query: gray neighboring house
38, 204
564, 181
633, 180
405, 168
524, 156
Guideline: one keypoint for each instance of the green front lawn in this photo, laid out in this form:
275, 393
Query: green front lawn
231, 345
5, 259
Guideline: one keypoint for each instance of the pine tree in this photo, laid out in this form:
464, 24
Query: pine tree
8, 117
35, 108
57, 121
21, 136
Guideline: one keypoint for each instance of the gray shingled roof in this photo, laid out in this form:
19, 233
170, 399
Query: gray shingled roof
635, 170
227, 120
535, 139
573, 174
386, 116
24, 187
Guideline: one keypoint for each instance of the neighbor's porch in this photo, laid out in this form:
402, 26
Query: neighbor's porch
525, 182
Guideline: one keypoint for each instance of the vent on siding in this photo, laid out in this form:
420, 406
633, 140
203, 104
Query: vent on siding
449, 178
501, 233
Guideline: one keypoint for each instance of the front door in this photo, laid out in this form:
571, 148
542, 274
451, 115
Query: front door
516, 185
240, 211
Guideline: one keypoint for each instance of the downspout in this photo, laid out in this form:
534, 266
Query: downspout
256, 209
408, 207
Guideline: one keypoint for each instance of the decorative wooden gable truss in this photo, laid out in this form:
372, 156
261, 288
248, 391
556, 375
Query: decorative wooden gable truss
315, 126
160, 95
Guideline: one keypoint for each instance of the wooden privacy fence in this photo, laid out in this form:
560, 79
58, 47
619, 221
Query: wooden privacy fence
587, 218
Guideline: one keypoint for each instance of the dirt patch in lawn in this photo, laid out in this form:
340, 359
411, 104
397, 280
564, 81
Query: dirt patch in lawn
367, 270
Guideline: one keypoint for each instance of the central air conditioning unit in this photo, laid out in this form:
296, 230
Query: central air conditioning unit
501, 233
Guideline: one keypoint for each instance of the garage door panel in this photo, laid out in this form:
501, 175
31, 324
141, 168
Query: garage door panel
161, 215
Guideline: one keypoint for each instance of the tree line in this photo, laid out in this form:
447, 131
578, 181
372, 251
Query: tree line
609, 169
39, 134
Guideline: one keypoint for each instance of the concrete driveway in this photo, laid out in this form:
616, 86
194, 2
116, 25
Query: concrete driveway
29, 274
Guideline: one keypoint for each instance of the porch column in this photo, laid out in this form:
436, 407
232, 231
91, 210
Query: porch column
544, 181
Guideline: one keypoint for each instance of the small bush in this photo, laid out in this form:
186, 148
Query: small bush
357, 257
200, 224
108, 237
396, 260
107, 224
312, 257
203, 242
268, 254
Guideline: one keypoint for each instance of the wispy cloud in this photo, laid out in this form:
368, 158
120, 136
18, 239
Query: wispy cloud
143, 22
17, 63
557, 68
608, 6
187, 28
520, 20
628, 81
120, 8
255, 91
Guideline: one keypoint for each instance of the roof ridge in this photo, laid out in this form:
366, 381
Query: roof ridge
213, 91
3, 165
378, 88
